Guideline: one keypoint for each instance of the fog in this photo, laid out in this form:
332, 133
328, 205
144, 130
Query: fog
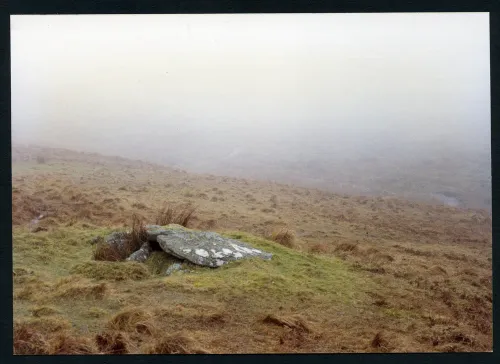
358, 103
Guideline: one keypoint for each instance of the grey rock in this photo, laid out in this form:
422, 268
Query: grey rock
173, 268
117, 238
205, 248
142, 254
33, 224
118, 235
154, 231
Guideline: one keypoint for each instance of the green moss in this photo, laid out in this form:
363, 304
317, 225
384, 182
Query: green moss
288, 274
114, 271
56, 251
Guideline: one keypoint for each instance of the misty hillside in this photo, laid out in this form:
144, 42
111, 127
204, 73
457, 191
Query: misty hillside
371, 104
355, 148
419, 171
355, 274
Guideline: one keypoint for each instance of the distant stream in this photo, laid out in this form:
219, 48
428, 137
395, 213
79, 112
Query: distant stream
447, 200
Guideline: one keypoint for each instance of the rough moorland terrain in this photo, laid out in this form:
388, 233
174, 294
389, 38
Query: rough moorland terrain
355, 274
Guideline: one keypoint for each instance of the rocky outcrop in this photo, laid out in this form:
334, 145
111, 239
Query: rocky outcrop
154, 231
205, 248
198, 247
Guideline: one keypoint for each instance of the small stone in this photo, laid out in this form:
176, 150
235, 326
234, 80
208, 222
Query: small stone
142, 254
173, 268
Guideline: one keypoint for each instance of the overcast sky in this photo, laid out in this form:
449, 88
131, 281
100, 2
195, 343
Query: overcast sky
127, 80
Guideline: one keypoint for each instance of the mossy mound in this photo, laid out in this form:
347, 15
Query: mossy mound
117, 271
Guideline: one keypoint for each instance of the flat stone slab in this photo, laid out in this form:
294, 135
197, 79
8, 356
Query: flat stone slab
203, 247
153, 231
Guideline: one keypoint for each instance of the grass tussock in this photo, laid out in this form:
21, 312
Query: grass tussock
29, 341
450, 336
319, 248
106, 252
80, 290
180, 215
379, 342
134, 319
120, 250
285, 237
65, 344
138, 235
176, 344
32, 339
113, 271
48, 324
112, 343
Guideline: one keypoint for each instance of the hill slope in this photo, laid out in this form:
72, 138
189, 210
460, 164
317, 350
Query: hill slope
365, 274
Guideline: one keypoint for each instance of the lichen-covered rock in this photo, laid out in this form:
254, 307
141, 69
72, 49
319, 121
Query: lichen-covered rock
142, 254
154, 231
205, 248
117, 238
173, 268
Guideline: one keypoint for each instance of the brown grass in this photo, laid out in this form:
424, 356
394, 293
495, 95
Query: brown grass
180, 215
82, 291
176, 344
295, 322
138, 235
319, 248
379, 341
429, 265
44, 311
48, 337
284, 237
112, 271
112, 343
64, 343
106, 252
28, 341
134, 319
113, 252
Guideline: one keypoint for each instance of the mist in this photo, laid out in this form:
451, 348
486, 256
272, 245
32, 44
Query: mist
360, 103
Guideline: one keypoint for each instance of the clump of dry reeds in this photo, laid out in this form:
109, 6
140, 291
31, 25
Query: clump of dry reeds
180, 215
285, 237
133, 241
